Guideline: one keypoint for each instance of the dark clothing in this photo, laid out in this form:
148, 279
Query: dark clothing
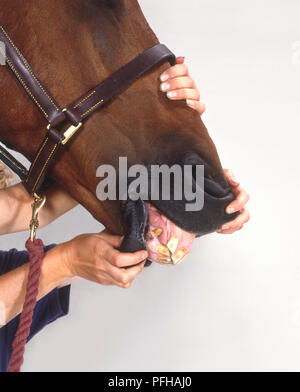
48, 309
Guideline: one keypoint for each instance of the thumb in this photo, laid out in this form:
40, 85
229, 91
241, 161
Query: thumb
113, 240
230, 177
180, 60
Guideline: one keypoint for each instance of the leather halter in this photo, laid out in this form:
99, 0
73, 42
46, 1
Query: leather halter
81, 109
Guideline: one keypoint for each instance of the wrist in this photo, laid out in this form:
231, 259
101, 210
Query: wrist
66, 256
55, 265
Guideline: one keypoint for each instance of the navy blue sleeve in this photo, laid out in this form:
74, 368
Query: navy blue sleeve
48, 309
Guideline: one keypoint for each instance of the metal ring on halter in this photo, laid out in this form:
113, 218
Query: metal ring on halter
38, 204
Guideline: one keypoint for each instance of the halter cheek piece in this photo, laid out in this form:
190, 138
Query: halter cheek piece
64, 124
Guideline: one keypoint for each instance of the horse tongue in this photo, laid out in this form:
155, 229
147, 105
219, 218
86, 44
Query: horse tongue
166, 242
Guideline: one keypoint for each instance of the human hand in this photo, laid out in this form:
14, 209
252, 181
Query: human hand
239, 204
95, 257
178, 85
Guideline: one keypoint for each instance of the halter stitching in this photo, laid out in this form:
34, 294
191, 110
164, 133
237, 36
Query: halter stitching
25, 85
26, 65
42, 171
36, 158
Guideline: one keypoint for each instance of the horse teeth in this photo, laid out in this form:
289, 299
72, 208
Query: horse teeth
163, 250
179, 256
157, 232
172, 244
181, 260
165, 260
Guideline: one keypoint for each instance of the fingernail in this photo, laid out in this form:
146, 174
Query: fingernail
225, 227
165, 86
164, 77
190, 102
233, 179
230, 210
172, 94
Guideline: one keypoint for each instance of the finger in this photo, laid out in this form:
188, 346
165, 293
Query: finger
177, 83
174, 72
131, 273
104, 278
122, 276
242, 198
180, 60
236, 224
113, 240
109, 281
108, 274
185, 93
120, 259
231, 178
196, 105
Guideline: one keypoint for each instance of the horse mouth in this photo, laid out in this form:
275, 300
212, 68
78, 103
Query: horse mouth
167, 228
166, 242
154, 227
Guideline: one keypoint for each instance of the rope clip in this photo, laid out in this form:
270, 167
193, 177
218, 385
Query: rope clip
38, 204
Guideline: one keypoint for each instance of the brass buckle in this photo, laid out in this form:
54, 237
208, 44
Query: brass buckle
38, 204
70, 132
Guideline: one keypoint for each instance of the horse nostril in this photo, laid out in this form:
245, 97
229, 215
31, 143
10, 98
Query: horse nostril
215, 186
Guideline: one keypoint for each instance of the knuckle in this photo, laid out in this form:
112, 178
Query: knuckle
178, 84
98, 262
181, 94
117, 260
172, 73
191, 82
94, 242
173, 85
247, 196
185, 69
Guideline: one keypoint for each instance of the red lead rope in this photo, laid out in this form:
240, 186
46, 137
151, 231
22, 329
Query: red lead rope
36, 253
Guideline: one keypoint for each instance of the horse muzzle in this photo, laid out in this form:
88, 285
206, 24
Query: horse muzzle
167, 230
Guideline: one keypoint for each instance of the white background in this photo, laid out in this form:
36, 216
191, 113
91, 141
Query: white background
234, 305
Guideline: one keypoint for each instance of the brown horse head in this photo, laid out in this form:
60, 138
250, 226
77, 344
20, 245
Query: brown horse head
73, 46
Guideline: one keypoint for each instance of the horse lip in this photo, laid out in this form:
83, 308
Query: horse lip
209, 219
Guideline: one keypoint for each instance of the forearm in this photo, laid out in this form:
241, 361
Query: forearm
13, 284
15, 206
58, 203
